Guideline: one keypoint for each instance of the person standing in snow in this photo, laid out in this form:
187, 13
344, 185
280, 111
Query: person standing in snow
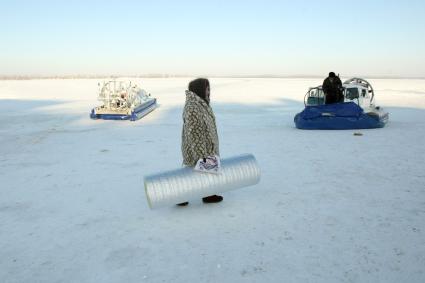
332, 87
199, 135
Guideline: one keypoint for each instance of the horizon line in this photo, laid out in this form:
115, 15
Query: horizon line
264, 76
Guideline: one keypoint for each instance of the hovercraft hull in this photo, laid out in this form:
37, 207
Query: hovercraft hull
136, 114
339, 116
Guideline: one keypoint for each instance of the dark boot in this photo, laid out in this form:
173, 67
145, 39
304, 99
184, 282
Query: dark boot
183, 203
212, 199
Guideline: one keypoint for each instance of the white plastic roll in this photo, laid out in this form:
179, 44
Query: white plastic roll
185, 184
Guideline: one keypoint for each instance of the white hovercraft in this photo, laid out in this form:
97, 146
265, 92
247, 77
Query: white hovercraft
123, 101
358, 111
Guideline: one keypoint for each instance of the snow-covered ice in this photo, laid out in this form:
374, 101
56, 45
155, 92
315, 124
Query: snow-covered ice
330, 207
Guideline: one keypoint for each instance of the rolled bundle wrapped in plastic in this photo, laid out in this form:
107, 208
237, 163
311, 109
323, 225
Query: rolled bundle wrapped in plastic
184, 184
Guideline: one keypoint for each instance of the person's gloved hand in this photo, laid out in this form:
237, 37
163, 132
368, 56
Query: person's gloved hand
209, 164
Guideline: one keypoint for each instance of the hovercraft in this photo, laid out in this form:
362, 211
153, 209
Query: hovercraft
123, 101
358, 111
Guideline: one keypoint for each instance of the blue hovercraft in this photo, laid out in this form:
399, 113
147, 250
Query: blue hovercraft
123, 101
358, 111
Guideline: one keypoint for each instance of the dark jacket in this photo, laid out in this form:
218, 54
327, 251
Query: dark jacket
332, 87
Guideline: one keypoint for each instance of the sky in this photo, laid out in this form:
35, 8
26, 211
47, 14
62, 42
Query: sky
212, 38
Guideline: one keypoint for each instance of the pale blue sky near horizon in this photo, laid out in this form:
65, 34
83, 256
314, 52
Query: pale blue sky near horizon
367, 38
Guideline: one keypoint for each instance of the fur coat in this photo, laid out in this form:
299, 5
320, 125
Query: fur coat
199, 135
